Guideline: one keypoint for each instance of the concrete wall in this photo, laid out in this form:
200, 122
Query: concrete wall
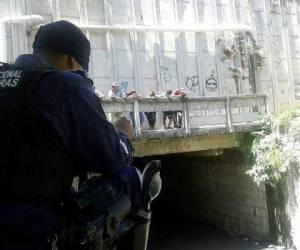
168, 145
215, 189
283, 200
283, 210
290, 220
163, 60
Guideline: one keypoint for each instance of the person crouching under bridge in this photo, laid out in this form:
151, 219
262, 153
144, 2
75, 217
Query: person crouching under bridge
53, 128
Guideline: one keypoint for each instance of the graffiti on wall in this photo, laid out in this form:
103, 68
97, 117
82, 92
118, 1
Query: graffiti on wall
165, 74
211, 83
191, 82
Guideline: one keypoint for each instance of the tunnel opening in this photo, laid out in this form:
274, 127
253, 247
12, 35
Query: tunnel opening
208, 202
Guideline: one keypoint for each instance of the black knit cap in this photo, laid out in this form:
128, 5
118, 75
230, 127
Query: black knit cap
65, 37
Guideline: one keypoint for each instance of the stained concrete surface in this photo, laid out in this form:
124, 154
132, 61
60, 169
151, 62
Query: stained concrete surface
174, 228
175, 232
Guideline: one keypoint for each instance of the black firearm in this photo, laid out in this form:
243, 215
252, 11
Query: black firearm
101, 213
104, 217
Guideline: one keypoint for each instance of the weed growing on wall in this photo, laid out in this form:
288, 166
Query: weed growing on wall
284, 120
272, 156
241, 50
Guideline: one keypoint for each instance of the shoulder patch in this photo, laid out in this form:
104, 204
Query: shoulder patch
10, 78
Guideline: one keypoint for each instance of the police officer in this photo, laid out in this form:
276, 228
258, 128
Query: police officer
123, 125
52, 128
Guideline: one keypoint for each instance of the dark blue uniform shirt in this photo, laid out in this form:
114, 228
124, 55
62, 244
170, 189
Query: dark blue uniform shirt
68, 102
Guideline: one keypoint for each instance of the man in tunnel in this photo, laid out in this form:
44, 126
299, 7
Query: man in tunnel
52, 128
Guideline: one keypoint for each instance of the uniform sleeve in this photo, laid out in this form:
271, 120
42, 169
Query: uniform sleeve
127, 146
70, 106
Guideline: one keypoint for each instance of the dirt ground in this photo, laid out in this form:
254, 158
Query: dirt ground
186, 234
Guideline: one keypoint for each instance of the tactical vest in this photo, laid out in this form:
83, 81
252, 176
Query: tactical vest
34, 164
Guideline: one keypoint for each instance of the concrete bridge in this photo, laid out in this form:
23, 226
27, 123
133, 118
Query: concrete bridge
209, 123
205, 165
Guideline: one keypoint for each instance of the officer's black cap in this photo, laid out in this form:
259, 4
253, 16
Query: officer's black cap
65, 37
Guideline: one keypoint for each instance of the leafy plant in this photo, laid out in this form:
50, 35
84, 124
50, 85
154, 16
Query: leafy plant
268, 160
246, 46
284, 120
259, 60
272, 157
236, 71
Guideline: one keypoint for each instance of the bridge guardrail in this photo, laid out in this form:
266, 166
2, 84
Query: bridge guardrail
226, 112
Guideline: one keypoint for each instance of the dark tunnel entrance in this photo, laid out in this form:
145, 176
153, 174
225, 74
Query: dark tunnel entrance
207, 202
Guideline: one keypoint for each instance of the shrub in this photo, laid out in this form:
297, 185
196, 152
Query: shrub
272, 156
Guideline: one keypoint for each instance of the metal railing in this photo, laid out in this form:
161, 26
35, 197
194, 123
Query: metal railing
199, 114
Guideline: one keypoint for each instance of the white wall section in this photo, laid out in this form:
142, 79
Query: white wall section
167, 44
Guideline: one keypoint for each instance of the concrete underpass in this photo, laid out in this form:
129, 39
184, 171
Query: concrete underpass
235, 59
208, 202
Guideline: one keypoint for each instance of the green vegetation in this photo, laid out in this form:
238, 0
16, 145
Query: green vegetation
243, 47
284, 120
269, 149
